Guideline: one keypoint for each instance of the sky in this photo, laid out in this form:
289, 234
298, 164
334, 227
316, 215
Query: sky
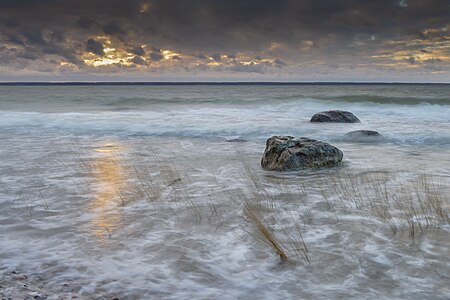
225, 40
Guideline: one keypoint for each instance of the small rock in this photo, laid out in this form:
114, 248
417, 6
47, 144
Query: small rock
238, 140
284, 153
335, 116
363, 136
21, 277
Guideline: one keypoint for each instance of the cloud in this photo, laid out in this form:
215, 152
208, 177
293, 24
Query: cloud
34, 36
13, 39
94, 46
200, 56
112, 28
138, 60
28, 54
216, 57
250, 68
156, 56
279, 63
313, 34
138, 50
57, 36
85, 22
433, 60
12, 23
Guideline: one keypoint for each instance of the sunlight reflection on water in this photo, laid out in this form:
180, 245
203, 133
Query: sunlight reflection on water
109, 182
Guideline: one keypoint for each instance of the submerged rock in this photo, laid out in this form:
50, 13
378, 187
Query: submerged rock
284, 153
363, 133
363, 136
335, 116
238, 140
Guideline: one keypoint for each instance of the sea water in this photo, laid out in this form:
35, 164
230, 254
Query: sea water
141, 192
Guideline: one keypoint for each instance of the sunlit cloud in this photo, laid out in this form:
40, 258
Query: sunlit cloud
144, 7
169, 54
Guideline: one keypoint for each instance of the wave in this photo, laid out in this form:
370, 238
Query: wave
249, 124
388, 99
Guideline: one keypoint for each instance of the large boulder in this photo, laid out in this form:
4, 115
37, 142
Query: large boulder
363, 136
284, 153
335, 116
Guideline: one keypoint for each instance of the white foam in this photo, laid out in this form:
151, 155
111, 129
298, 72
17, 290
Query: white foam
197, 243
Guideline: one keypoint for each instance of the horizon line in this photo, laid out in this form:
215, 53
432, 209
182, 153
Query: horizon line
156, 83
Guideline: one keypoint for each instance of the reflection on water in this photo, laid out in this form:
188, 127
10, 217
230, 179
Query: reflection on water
110, 180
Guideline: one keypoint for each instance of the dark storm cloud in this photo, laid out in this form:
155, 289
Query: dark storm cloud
12, 23
14, 39
137, 50
34, 36
200, 56
28, 54
138, 60
279, 63
94, 46
287, 31
57, 36
85, 22
112, 28
216, 57
272, 17
31, 44
156, 56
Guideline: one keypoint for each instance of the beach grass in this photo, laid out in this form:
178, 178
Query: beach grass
414, 204
276, 212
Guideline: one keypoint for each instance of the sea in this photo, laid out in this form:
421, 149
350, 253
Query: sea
156, 191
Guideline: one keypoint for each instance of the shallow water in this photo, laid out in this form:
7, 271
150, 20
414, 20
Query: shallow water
134, 192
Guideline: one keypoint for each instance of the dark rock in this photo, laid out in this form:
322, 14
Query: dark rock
363, 133
238, 140
363, 136
335, 116
284, 153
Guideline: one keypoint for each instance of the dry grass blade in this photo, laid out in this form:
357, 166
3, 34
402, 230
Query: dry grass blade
253, 215
414, 205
